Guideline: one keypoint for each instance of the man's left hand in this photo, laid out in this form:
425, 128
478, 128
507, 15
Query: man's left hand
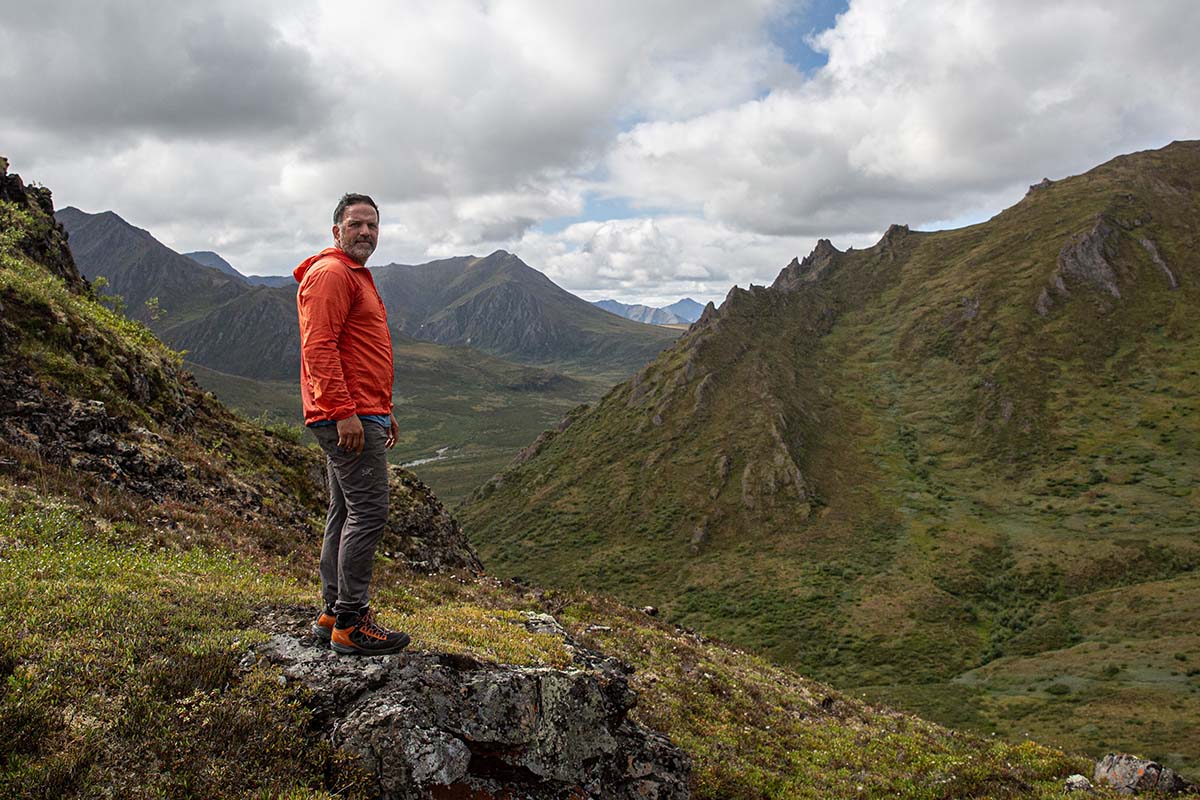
393, 434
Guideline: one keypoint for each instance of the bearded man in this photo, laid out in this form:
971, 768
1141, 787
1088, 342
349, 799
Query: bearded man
346, 384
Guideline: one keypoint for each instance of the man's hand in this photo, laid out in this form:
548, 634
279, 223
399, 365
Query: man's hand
393, 433
350, 434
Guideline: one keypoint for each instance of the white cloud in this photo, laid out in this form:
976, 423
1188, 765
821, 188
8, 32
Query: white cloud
657, 261
235, 126
927, 110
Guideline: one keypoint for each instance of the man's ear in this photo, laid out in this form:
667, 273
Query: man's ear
337, 237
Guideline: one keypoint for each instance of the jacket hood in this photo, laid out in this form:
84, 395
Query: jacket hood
328, 252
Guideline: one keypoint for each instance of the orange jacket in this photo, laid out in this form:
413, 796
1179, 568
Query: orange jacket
345, 345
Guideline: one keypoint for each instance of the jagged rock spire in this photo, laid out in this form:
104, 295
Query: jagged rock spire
797, 273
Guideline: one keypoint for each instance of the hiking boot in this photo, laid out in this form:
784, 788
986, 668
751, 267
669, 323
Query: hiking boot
361, 635
322, 629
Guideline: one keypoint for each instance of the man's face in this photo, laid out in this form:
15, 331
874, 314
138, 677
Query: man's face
358, 232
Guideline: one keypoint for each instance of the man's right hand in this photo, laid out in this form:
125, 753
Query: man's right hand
350, 434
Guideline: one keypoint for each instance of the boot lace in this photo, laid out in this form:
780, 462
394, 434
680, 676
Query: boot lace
369, 627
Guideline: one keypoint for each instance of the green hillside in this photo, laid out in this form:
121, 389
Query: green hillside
957, 470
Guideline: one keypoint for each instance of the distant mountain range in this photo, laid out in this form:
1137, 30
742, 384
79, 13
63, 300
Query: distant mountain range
956, 470
502, 306
683, 312
497, 304
210, 259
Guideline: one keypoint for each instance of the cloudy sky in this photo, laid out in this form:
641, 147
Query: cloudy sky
636, 149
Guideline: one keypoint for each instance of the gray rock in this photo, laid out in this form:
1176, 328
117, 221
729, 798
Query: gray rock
1078, 783
1131, 775
425, 723
797, 273
1087, 260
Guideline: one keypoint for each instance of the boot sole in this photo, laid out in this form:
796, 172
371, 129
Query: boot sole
322, 633
351, 650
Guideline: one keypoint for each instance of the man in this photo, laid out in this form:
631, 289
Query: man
346, 383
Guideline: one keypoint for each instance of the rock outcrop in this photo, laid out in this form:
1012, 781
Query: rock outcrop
1087, 260
420, 530
1152, 249
1092, 260
1131, 775
799, 273
50, 248
430, 725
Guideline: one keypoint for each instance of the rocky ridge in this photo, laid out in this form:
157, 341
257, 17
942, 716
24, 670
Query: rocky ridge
49, 248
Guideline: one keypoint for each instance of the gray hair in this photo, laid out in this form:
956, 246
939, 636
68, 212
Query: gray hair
351, 199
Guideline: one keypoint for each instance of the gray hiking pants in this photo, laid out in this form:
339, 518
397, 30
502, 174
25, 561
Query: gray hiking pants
358, 509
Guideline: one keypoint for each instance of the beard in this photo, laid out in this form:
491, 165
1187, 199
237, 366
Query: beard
360, 250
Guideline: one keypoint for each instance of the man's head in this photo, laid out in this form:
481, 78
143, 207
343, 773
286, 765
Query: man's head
356, 226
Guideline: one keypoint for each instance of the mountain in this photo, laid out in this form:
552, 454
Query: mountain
208, 258
956, 470
158, 555
139, 267
277, 281
503, 306
686, 309
640, 313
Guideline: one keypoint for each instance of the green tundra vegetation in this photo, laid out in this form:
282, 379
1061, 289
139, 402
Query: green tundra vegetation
128, 612
956, 471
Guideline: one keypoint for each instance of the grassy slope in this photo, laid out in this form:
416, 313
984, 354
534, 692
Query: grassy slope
974, 487
128, 617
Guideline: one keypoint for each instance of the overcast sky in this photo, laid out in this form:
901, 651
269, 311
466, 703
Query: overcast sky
637, 149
